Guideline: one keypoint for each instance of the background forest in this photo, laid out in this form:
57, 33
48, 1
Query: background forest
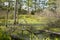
29, 19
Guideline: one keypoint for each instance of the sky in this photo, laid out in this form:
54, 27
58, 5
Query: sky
41, 5
25, 7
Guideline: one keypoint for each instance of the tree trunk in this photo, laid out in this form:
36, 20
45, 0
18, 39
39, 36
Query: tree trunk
15, 12
8, 10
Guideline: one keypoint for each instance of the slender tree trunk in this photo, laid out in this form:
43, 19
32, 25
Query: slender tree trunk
28, 6
8, 10
15, 11
35, 5
39, 6
21, 2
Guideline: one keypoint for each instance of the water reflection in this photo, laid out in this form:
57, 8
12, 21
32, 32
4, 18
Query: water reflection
45, 36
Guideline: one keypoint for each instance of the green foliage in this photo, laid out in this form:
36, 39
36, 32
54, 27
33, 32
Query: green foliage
54, 24
6, 8
2, 17
3, 0
57, 23
4, 36
52, 5
29, 3
22, 11
29, 19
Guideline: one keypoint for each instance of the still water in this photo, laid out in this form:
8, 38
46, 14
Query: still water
43, 36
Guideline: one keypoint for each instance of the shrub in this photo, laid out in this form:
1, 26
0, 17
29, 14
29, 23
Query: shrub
54, 24
4, 36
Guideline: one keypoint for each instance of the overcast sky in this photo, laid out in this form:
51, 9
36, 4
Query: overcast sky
41, 4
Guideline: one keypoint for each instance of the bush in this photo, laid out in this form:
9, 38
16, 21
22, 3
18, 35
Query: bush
2, 17
22, 11
54, 24
4, 36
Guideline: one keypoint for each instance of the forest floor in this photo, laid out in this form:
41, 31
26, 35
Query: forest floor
31, 19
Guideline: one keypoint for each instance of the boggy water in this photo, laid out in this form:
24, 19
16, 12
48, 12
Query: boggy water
44, 36
48, 36
39, 36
